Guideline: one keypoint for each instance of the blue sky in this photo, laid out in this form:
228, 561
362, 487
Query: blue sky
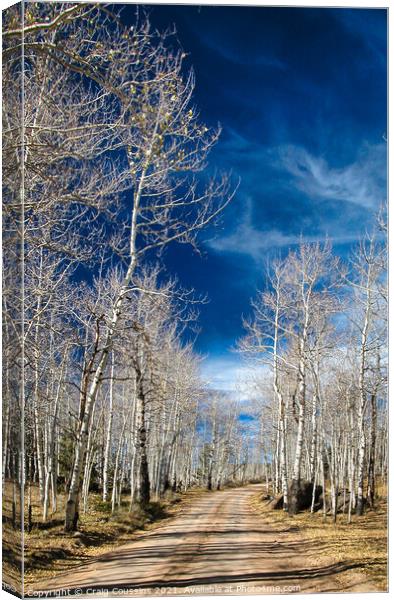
301, 96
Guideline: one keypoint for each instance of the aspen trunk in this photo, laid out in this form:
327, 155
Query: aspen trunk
281, 453
6, 421
296, 478
314, 438
283, 465
143, 491
372, 452
116, 469
361, 468
50, 481
362, 400
301, 425
277, 459
109, 432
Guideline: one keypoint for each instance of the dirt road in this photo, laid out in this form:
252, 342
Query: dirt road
217, 544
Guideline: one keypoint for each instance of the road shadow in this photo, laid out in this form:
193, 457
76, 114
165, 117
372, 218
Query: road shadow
280, 576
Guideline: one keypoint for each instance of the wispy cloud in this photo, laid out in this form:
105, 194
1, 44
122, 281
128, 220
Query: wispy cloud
229, 373
363, 182
332, 201
248, 240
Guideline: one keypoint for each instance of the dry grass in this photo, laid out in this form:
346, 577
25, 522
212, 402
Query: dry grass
363, 542
11, 541
50, 551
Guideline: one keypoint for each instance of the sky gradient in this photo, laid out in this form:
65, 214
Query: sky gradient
300, 94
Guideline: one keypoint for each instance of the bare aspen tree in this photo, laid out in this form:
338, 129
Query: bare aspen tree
289, 323
109, 431
306, 271
137, 105
266, 332
368, 268
166, 143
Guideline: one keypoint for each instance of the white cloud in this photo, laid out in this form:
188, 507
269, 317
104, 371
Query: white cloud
362, 182
248, 240
245, 239
230, 374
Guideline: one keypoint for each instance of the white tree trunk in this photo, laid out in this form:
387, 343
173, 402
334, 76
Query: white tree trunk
362, 401
109, 432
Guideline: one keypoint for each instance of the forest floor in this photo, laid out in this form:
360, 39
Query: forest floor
362, 544
227, 542
49, 550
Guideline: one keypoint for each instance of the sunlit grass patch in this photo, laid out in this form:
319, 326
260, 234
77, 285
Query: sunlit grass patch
362, 542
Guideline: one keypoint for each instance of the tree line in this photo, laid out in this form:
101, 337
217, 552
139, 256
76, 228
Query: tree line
105, 164
319, 331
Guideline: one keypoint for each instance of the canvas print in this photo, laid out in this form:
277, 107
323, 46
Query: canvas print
194, 300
